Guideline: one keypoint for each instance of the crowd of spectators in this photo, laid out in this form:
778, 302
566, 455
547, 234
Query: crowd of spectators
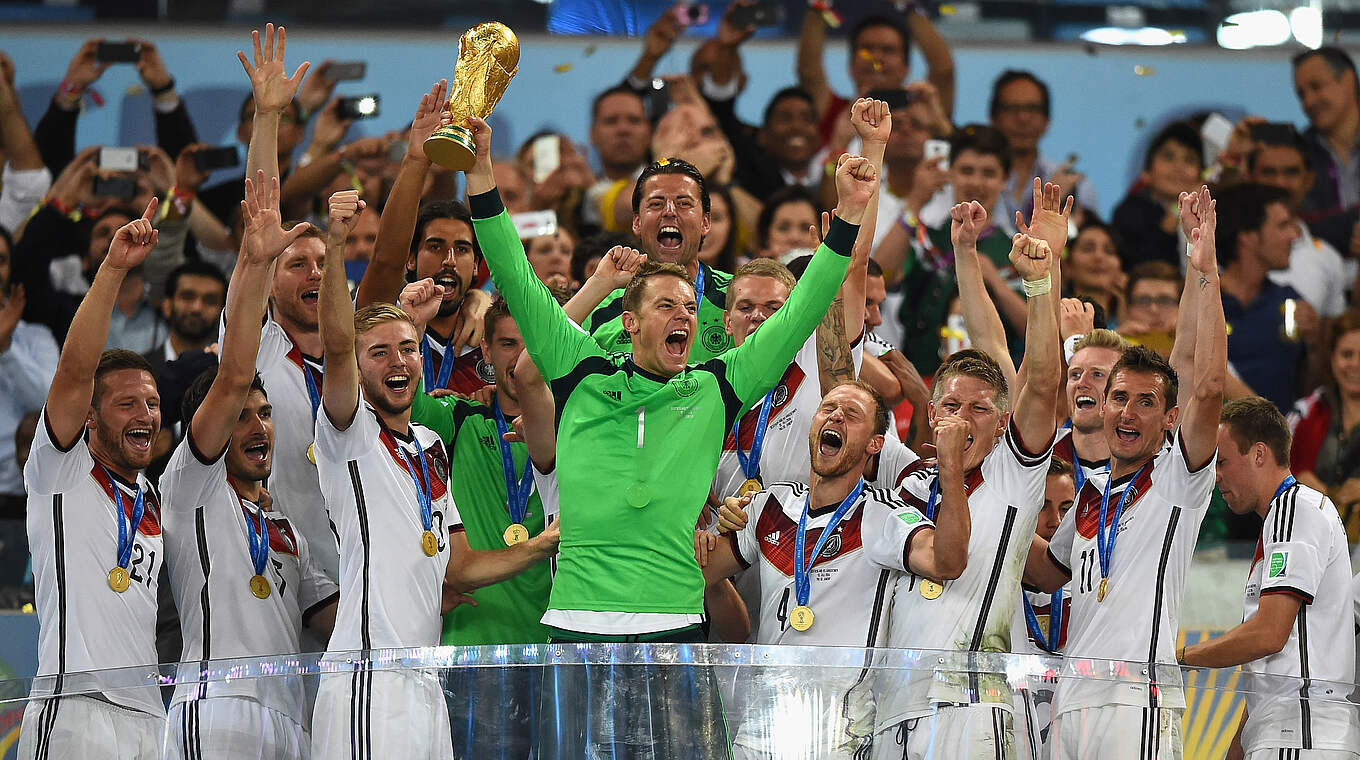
1288, 236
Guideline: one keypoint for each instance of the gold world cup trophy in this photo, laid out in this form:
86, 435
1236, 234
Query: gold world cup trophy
488, 58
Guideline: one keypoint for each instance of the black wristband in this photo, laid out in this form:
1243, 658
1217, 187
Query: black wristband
841, 237
167, 87
486, 205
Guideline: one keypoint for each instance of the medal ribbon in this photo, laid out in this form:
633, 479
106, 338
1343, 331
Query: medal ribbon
516, 492
422, 487
257, 534
313, 391
1284, 486
699, 286
1047, 643
802, 582
432, 381
750, 465
1105, 538
138, 507
933, 503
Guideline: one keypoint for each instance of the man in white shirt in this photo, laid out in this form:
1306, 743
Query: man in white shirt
94, 528
1297, 638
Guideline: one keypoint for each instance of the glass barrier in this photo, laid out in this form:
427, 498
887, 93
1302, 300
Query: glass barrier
701, 701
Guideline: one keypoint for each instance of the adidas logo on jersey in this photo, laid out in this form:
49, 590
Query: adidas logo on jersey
771, 538
616, 395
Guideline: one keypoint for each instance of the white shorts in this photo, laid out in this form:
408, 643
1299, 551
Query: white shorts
962, 732
1302, 754
228, 728
378, 714
1117, 732
57, 728
1033, 723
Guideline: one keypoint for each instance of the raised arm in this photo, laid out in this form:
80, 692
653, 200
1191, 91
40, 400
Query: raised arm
273, 91
68, 401
939, 60
1037, 398
613, 272
980, 317
537, 424
555, 342
261, 243
811, 71
21, 152
340, 392
385, 275
942, 553
1049, 223
1182, 357
1199, 423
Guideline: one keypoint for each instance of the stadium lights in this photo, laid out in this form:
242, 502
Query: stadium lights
1250, 29
1306, 24
1147, 35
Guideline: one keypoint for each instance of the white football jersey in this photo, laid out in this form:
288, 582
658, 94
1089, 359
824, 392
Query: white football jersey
293, 483
785, 456
1022, 637
210, 570
390, 591
83, 624
1140, 617
850, 591
1090, 468
976, 610
892, 464
1303, 552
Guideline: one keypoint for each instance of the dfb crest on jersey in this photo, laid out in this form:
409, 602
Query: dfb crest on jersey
833, 545
781, 394
485, 372
715, 339
439, 461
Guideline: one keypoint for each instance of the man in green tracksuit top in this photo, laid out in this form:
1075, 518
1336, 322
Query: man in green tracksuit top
639, 436
671, 233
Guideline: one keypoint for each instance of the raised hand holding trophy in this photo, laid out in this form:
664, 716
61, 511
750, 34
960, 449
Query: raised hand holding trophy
488, 58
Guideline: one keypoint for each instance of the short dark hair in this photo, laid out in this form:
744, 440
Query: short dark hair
726, 259
880, 406
194, 268
444, 210
499, 310
1154, 270
779, 198
1242, 208
632, 295
1059, 467
1289, 137
1252, 419
983, 139
1338, 60
618, 89
882, 19
116, 359
975, 364
198, 391
1093, 222
1178, 132
597, 245
1010, 76
875, 269
787, 93
1144, 359
671, 165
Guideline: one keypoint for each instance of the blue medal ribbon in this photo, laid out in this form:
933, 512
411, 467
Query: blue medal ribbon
138, 508
1055, 612
1105, 538
517, 493
1284, 486
699, 286
258, 536
751, 465
802, 582
432, 381
313, 394
933, 503
422, 486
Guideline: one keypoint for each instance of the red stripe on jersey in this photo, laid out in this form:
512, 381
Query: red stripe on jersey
1063, 448
436, 463
790, 383
778, 536
281, 537
151, 520
470, 372
1088, 505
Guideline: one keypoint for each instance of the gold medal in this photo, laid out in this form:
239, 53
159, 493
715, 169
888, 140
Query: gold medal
259, 586
751, 486
801, 617
516, 534
429, 543
119, 580
311, 453
1100, 594
931, 589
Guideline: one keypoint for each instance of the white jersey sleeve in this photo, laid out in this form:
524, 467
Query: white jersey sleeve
51, 468
1290, 543
888, 529
546, 484
351, 443
746, 542
314, 586
1060, 546
189, 476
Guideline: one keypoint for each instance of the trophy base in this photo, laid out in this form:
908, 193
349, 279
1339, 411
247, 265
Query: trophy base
452, 148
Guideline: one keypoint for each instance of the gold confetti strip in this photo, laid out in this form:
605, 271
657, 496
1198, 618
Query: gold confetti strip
562, 68
1144, 71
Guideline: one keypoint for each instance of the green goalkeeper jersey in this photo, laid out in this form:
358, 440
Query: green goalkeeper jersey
636, 452
606, 322
507, 612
